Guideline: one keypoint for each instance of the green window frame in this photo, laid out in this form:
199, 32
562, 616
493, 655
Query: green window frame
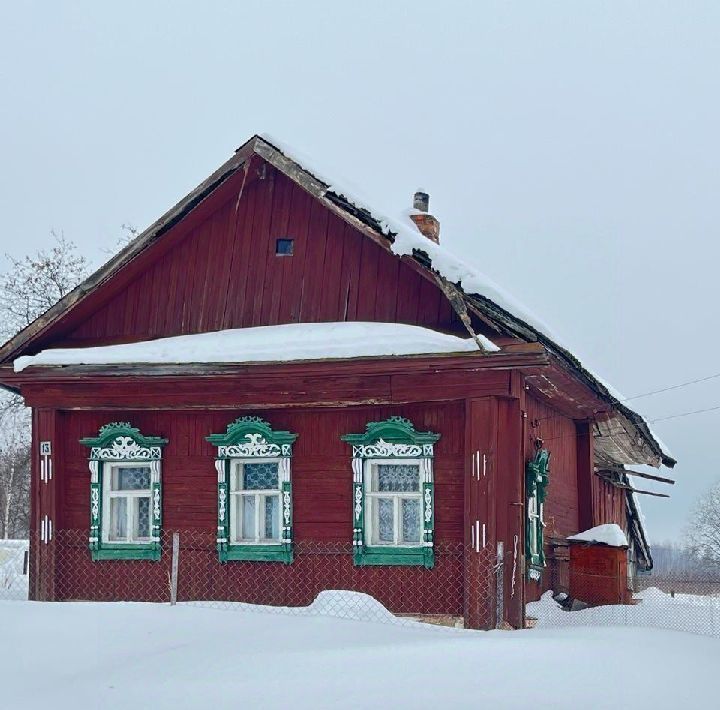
537, 477
252, 441
393, 441
118, 447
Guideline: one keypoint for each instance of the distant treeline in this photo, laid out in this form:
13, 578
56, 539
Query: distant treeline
678, 561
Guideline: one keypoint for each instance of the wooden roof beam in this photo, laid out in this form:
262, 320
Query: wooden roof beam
641, 474
625, 487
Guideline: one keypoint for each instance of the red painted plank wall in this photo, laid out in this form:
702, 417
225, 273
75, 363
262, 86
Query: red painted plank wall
608, 504
225, 274
322, 484
559, 435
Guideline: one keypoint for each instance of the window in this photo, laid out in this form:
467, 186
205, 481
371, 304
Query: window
254, 492
125, 493
394, 500
536, 482
393, 494
255, 500
284, 247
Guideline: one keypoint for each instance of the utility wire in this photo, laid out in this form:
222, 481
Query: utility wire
664, 389
673, 387
685, 414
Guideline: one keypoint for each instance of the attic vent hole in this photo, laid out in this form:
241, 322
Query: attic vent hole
284, 247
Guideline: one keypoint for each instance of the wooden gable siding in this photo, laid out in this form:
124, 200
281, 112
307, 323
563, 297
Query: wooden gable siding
224, 273
558, 433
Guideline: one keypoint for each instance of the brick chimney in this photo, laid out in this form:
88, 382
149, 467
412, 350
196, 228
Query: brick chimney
426, 223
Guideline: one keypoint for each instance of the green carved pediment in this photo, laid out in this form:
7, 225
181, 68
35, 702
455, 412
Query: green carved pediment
396, 430
121, 440
252, 436
238, 430
395, 438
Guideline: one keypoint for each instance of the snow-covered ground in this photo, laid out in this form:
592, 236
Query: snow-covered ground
13, 584
123, 655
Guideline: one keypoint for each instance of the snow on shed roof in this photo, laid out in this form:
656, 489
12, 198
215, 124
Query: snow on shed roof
609, 534
276, 343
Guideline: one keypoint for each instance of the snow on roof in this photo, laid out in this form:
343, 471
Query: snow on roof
276, 343
609, 534
406, 237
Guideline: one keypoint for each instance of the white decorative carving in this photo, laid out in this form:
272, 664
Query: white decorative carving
284, 467
286, 508
358, 502
256, 445
222, 504
94, 468
94, 503
125, 448
534, 574
220, 468
428, 505
383, 449
427, 449
357, 467
156, 503
155, 471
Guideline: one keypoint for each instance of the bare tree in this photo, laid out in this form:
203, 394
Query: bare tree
35, 283
703, 531
14, 475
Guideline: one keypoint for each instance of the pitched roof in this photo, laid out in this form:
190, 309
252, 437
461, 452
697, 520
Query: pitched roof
478, 293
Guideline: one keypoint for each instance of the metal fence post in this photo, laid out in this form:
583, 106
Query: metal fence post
499, 589
174, 568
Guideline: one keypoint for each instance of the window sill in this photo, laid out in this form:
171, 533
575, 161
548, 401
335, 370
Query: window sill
109, 551
417, 556
256, 553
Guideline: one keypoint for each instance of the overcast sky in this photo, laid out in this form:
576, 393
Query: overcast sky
570, 150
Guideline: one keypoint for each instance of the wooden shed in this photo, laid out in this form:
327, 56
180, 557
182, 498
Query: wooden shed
273, 366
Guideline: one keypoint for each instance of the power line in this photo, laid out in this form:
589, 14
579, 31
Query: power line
685, 414
672, 387
658, 391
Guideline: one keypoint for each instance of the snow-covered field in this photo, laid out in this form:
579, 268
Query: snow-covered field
122, 655
13, 584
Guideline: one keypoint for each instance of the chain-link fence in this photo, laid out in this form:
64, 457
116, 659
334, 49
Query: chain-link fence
662, 602
464, 587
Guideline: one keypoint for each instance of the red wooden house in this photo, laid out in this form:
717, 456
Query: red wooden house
273, 365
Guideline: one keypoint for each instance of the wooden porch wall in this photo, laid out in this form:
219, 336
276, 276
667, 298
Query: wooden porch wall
608, 503
222, 272
559, 435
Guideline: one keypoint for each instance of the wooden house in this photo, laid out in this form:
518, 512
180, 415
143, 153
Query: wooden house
273, 364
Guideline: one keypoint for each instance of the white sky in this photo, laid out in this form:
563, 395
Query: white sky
570, 150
